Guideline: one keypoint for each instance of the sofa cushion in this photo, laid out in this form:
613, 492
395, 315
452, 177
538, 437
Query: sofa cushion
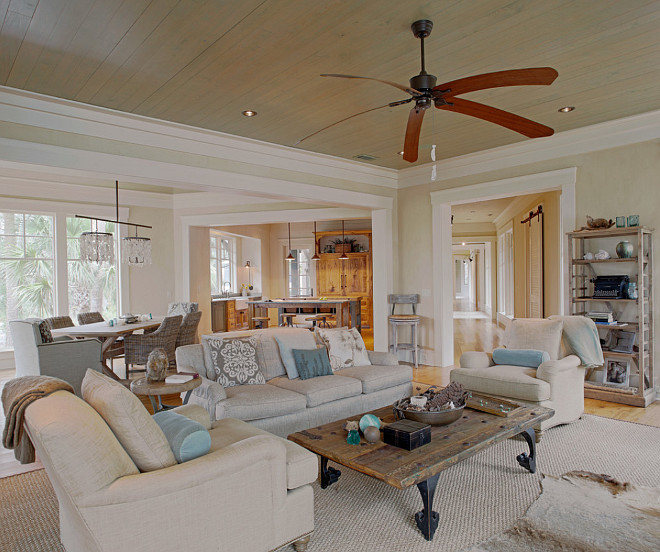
345, 347
268, 356
532, 333
235, 360
520, 357
312, 363
287, 342
516, 382
375, 378
253, 402
188, 439
302, 466
129, 420
321, 390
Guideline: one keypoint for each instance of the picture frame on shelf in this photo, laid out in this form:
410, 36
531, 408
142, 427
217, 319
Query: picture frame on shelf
617, 372
620, 222
622, 341
633, 220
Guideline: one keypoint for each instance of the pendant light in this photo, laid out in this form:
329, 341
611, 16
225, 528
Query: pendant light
99, 246
290, 257
343, 256
316, 253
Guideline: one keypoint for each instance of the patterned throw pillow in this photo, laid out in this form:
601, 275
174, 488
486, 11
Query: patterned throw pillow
235, 361
345, 347
44, 330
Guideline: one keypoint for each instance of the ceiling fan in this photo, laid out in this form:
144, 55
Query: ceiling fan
425, 93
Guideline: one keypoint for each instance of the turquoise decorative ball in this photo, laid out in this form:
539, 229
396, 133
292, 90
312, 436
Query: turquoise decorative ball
369, 420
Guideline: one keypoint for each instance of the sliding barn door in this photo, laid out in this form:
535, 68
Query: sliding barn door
535, 267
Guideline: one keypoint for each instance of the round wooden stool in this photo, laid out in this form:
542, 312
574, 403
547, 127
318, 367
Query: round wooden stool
260, 322
320, 320
286, 318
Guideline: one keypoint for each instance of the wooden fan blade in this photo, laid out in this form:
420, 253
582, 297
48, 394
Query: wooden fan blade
411, 144
391, 104
512, 77
527, 127
407, 89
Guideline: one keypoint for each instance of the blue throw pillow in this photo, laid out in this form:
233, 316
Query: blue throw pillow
312, 363
520, 357
188, 439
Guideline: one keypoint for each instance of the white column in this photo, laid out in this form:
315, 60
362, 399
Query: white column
443, 305
383, 272
61, 280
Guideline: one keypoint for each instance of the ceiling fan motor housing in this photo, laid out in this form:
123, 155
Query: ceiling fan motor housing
423, 82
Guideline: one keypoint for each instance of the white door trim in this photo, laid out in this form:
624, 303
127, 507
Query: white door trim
562, 180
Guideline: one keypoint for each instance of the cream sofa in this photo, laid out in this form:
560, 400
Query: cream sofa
557, 383
283, 406
251, 492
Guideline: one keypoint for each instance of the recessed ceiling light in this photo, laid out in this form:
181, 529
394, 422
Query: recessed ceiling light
249, 113
566, 109
463, 243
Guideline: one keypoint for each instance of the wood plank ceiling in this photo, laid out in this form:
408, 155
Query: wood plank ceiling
203, 62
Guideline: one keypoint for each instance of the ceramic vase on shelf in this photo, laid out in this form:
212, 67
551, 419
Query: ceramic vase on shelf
624, 249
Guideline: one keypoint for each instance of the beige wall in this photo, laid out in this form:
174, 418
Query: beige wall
200, 274
152, 286
617, 181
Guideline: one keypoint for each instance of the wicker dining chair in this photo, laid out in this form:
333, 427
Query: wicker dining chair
90, 318
138, 346
56, 322
117, 348
188, 330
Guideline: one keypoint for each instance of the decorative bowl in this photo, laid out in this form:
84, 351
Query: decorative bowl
440, 418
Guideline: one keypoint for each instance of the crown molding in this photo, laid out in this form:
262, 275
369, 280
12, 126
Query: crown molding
74, 193
611, 134
29, 108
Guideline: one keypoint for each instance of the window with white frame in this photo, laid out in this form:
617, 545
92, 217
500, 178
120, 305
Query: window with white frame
223, 264
91, 286
505, 273
300, 275
27, 269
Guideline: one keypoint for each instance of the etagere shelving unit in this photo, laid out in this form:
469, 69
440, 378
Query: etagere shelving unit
632, 315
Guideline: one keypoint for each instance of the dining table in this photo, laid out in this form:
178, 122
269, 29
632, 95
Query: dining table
347, 309
108, 335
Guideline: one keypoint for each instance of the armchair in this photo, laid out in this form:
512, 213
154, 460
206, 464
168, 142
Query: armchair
67, 359
557, 383
251, 492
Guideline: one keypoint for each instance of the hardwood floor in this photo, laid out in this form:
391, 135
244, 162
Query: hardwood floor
469, 335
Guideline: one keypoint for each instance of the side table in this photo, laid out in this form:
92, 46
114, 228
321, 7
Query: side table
156, 389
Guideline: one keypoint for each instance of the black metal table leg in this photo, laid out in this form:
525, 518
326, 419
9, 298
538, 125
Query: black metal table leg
427, 519
528, 461
328, 475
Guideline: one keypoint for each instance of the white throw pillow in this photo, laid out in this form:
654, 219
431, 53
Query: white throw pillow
345, 347
535, 333
129, 420
287, 342
234, 360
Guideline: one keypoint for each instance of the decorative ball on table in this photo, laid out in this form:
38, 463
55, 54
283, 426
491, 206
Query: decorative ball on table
157, 364
369, 420
371, 434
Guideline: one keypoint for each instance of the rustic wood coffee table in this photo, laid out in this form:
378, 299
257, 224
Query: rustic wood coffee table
473, 432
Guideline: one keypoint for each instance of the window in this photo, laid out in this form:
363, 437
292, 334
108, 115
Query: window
30, 268
27, 269
300, 274
223, 264
91, 286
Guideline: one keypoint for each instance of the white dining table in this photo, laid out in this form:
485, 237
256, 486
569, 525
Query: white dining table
107, 334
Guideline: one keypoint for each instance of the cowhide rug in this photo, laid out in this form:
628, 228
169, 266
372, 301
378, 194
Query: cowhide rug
584, 512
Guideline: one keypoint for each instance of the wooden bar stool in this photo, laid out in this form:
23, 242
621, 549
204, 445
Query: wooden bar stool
320, 320
260, 322
286, 318
397, 321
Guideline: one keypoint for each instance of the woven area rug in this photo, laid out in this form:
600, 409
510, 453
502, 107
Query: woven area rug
476, 499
